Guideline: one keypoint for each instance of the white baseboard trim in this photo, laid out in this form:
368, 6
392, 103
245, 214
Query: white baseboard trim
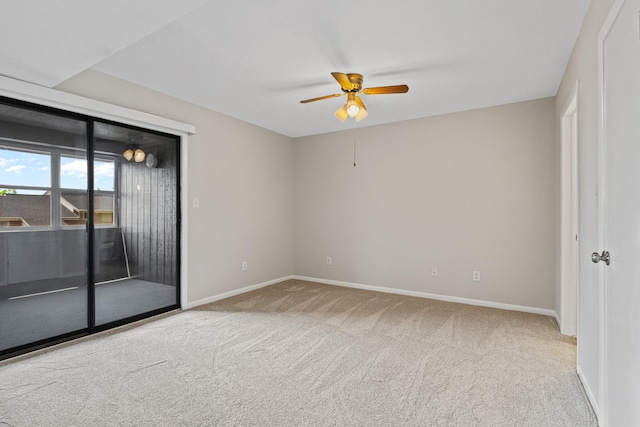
555, 316
235, 292
590, 395
468, 301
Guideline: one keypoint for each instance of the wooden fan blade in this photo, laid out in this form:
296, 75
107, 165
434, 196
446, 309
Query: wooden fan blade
321, 98
344, 81
342, 113
382, 90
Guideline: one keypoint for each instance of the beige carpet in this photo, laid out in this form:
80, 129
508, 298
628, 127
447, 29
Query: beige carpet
306, 354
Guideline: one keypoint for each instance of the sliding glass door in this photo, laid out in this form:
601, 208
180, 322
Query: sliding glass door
136, 256
71, 186
43, 275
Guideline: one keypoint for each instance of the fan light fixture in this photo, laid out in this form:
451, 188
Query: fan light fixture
351, 84
354, 108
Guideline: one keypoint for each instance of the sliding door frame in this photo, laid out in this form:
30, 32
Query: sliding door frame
93, 328
90, 224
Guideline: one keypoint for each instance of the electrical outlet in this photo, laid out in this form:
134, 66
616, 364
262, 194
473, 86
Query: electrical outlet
476, 276
245, 265
434, 271
329, 260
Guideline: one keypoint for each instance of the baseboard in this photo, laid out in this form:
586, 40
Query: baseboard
447, 298
589, 392
235, 292
468, 301
555, 316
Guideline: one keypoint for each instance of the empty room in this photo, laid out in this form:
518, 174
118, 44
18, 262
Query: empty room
332, 213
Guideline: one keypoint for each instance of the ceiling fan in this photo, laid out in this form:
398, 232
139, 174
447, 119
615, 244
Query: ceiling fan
351, 84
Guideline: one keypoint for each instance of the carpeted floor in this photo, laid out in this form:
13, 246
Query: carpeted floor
306, 354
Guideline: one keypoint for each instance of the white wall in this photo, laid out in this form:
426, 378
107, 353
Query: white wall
461, 192
243, 176
466, 191
583, 66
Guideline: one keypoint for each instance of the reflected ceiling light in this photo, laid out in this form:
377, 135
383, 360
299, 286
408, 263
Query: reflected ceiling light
138, 155
135, 153
128, 154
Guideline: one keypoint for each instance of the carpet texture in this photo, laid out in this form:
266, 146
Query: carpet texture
305, 354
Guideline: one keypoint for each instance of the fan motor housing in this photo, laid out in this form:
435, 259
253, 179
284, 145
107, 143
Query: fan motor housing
356, 80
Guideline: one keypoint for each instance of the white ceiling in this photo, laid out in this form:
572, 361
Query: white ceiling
255, 60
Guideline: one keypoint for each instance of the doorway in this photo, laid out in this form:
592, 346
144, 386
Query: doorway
569, 216
88, 235
569, 221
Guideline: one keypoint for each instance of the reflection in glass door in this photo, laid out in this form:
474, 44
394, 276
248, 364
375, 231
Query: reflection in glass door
136, 254
43, 240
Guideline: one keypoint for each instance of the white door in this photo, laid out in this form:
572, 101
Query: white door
621, 214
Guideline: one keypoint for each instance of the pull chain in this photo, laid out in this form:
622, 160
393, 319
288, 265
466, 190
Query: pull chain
354, 143
354, 150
